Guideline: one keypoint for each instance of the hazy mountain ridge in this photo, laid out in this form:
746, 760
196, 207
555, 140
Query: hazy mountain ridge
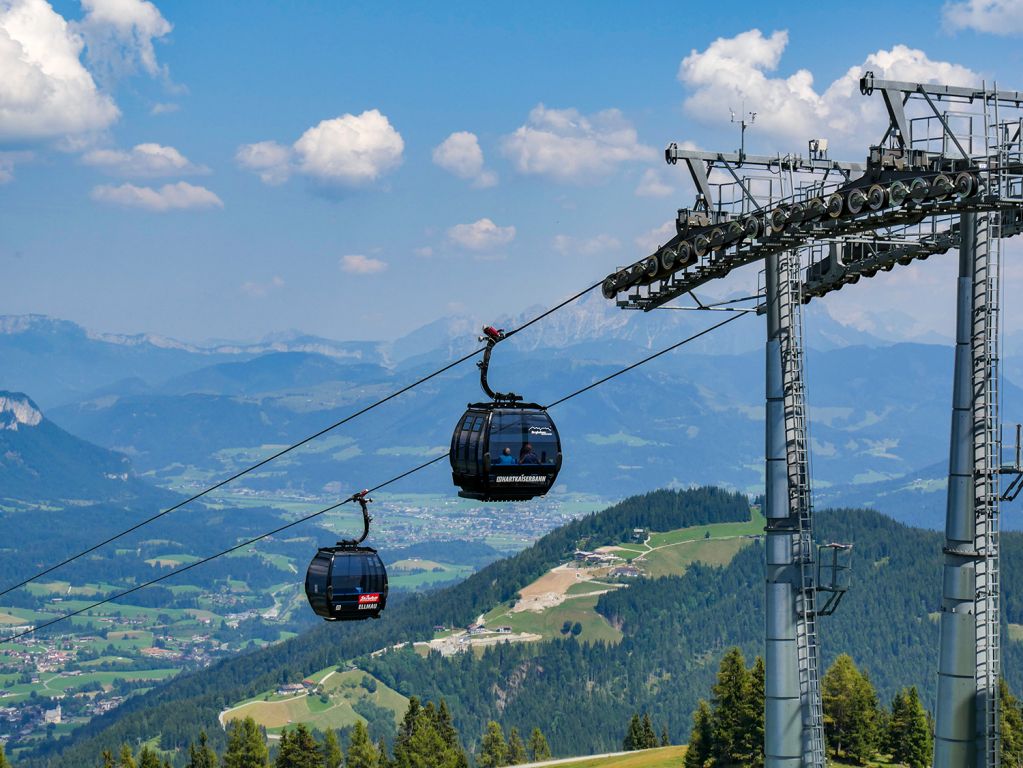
880, 412
40, 462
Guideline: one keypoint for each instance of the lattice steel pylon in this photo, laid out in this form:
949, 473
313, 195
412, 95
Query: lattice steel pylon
947, 173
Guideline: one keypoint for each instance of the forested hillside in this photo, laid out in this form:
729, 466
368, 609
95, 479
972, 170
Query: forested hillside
177, 710
675, 631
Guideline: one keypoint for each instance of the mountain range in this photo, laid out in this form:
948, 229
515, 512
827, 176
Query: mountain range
879, 412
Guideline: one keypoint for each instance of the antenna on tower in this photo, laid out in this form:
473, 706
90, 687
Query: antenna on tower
744, 123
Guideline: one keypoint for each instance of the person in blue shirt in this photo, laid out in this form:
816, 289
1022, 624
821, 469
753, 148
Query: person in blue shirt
505, 457
527, 456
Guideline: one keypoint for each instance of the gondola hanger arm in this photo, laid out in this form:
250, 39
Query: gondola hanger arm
492, 336
362, 497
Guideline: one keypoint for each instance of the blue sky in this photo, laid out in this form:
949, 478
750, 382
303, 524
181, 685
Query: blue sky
137, 141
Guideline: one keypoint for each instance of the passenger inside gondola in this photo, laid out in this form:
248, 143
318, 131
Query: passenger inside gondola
505, 457
527, 456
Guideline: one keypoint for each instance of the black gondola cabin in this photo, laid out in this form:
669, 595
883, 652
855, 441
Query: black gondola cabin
505, 451
346, 583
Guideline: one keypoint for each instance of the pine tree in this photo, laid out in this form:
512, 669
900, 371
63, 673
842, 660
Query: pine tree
539, 749
733, 711
126, 760
516, 749
298, 749
108, 759
148, 758
754, 743
246, 747
361, 752
701, 740
332, 755
910, 733
3, 758
1012, 727
383, 760
850, 710
202, 756
493, 748
649, 738
403, 757
456, 756
665, 741
427, 747
634, 735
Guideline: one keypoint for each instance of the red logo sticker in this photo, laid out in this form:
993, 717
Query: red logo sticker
374, 598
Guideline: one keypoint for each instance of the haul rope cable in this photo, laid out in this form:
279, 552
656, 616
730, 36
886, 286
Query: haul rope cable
289, 449
332, 507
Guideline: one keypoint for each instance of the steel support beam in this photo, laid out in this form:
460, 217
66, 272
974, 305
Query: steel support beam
783, 720
956, 717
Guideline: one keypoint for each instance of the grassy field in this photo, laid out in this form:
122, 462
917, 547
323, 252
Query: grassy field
752, 527
662, 757
674, 559
343, 691
549, 622
1016, 631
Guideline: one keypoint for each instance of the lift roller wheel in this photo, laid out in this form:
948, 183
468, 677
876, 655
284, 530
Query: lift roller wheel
965, 185
651, 266
876, 197
668, 256
815, 209
897, 193
751, 226
777, 219
835, 205
701, 244
855, 201
941, 187
919, 189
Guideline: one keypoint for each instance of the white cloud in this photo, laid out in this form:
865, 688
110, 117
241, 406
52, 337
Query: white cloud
45, 92
142, 160
588, 246
180, 196
351, 150
460, 154
119, 35
357, 264
426, 251
256, 290
481, 235
649, 241
272, 161
164, 108
652, 185
999, 17
346, 151
733, 71
569, 147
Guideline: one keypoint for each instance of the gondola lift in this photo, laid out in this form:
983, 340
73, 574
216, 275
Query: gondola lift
348, 582
505, 449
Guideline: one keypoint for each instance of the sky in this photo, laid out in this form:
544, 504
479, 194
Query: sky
235, 169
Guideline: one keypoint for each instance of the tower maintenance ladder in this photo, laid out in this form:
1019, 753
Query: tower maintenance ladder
797, 446
987, 492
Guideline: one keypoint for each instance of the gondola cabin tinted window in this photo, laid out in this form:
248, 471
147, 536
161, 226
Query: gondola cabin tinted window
519, 432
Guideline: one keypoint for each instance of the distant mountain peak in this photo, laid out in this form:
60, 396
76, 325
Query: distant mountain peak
17, 409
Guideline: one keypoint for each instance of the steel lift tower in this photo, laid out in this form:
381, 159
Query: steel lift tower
947, 174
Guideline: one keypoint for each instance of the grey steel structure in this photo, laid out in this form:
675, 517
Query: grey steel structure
947, 173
